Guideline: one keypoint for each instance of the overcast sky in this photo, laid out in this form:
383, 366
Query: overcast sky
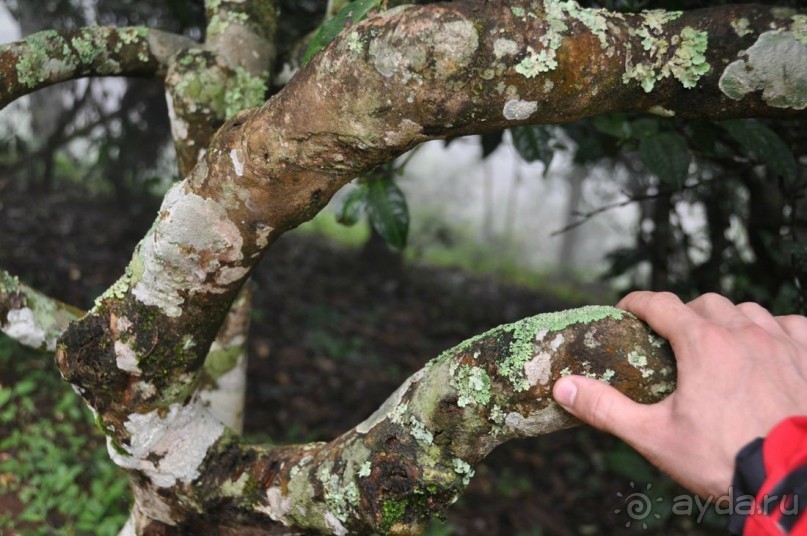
8, 29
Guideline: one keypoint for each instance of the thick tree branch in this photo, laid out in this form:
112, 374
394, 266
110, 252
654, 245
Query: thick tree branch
387, 84
49, 57
413, 457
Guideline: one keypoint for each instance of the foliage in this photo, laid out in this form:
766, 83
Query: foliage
383, 202
352, 13
51, 455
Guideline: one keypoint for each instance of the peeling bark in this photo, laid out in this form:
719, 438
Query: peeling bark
401, 77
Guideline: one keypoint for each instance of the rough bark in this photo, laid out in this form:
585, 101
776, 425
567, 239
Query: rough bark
402, 77
49, 57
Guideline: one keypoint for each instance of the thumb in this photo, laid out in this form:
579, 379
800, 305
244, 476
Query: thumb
600, 405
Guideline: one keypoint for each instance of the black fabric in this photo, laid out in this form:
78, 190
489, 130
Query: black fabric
793, 491
749, 475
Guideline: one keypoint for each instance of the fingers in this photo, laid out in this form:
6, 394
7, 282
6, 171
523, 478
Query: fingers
761, 317
600, 405
663, 311
795, 326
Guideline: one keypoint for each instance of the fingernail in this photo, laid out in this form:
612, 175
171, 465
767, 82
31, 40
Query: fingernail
564, 392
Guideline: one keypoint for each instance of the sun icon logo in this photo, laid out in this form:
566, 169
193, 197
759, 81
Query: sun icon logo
638, 505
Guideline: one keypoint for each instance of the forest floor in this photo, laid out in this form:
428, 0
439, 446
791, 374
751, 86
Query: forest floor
332, 336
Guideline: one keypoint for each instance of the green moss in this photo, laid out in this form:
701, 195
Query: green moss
391, 512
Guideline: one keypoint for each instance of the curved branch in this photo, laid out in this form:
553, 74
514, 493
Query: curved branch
413, 457
31, 318
49, 57
389, 83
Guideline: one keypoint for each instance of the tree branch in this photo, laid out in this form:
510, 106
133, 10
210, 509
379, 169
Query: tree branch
387, 84
413, 457
31, 318
49, 57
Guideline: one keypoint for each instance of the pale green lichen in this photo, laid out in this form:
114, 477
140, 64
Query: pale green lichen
219, 22
517, 11
473, 386
639, 361
522, 344
354, 43
221, 361
341, 498
88, 51
36, 62
536, 63
418, 430
740, 27
203, 87
365, 469
496, 415
799, 28
131, 36
662, 388
235, 488
687, 63
461, 467
775, 64
396, 415
244, 91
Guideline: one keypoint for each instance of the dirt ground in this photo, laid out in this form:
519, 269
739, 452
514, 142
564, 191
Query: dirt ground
333, 335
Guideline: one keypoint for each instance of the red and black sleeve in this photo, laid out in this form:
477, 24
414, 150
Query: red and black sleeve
769, 491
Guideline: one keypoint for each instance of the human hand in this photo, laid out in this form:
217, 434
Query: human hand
740, 371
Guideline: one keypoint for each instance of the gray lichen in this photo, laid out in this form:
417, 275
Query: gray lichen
776, 65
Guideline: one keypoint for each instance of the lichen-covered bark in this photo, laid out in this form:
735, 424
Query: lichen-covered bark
413, 457
31, 318
49, 57
399, 78
230, 72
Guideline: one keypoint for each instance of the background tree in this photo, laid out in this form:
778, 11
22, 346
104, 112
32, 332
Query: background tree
151, 354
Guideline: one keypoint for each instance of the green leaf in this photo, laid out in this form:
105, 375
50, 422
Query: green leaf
353, 207
533, 143
5, 396
491, 142
350, 14
615, 125
667, 156
389, 215
764, 145
644, 128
